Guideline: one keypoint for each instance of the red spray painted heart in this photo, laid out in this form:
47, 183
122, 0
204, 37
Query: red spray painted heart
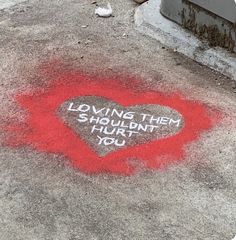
48, 133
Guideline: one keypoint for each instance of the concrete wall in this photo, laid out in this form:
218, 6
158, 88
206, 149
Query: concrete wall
222, 8
195, 16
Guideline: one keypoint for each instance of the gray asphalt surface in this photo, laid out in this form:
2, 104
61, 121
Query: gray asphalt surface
42, 197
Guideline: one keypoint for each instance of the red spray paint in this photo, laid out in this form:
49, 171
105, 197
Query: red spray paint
44, 130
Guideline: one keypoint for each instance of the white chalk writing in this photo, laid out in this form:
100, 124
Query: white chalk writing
114, 127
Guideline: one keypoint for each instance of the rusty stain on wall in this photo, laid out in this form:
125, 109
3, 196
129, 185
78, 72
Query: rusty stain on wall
223, 36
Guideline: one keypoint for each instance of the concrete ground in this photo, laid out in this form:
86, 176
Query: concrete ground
43, 197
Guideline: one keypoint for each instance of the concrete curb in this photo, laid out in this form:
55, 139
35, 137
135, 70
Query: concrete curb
149, 21
7, 4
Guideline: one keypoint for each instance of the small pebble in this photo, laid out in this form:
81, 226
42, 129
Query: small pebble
88, 42
124, 35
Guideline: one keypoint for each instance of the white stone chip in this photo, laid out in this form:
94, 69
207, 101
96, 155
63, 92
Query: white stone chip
104, 12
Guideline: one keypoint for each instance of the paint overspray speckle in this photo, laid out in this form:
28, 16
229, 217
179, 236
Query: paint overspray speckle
44, 131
